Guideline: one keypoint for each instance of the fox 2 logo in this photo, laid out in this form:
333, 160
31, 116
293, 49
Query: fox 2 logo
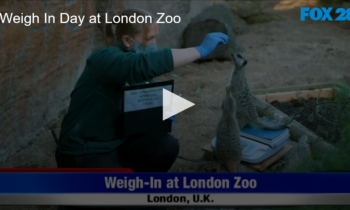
324, 14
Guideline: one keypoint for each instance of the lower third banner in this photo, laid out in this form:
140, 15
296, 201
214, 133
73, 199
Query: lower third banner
173, 189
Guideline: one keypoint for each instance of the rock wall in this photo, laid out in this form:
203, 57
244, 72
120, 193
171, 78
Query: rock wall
39, 64
170, 35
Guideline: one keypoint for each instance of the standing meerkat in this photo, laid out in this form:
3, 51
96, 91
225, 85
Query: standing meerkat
245, 100
228, 149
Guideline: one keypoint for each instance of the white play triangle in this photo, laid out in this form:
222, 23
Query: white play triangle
173, 104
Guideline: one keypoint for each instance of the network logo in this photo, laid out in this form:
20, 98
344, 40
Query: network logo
324, 14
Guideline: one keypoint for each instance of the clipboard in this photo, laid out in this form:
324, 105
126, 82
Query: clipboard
143, 108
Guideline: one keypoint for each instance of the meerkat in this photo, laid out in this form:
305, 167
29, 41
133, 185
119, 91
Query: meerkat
245, 100
228, 149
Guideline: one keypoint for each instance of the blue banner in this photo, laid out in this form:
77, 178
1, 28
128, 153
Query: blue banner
174, 183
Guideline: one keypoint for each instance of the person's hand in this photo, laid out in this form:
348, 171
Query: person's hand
210, 42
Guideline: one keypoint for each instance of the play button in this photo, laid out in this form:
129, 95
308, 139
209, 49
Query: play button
173, 104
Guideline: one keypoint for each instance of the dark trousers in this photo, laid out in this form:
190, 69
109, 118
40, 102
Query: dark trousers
153, 152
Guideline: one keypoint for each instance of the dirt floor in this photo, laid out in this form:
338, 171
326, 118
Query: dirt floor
285, 53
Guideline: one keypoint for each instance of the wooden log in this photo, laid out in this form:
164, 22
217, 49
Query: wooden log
216, 18
293, 95
293, 88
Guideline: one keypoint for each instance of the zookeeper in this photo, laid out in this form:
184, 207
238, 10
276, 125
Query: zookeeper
91, 131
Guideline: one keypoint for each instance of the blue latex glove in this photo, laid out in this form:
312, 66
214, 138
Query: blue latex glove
210, 42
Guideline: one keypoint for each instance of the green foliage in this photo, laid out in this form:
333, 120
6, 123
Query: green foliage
310, 118
269, 114
344, 143
342, 96
323, 158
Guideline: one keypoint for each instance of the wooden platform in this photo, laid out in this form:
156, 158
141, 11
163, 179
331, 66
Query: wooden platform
264, 164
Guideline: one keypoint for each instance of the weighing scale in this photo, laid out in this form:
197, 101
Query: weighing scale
256, 152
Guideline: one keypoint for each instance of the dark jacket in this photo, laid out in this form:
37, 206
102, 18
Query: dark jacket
93, 123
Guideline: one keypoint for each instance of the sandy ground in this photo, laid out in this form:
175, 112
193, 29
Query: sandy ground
284, 53
279, 54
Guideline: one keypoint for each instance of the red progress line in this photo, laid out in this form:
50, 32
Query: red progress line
98, 170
